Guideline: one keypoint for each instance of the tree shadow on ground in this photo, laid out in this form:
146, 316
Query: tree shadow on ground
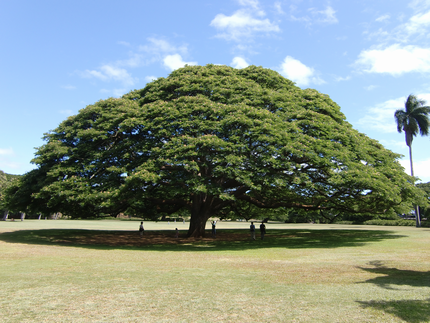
393, 278
414, 311
225, 239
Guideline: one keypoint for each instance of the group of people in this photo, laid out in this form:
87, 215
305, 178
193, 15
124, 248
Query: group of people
252, 228
262, 230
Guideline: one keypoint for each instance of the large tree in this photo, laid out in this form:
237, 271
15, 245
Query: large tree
412, 120
210, 140
6, 181
425, 210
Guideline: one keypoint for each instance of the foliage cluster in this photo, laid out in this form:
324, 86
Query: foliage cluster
414, 119
425, 210
398, 222
6, 180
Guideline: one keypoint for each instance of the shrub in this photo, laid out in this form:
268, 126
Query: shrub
399, 222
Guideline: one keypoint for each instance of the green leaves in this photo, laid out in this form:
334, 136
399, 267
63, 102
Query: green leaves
414, 119
6, 181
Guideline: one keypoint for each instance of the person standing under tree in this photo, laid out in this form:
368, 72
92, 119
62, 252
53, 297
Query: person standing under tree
252, 228
141, 229
213, 229
262, 230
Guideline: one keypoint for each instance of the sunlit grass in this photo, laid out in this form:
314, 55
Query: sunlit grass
50, 271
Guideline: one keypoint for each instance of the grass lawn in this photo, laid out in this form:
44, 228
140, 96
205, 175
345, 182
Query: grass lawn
103, 271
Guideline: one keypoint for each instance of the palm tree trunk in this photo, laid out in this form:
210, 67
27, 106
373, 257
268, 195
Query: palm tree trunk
417, 209
410, 159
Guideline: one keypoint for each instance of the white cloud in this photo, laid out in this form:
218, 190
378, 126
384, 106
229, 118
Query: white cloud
169, 54
316, 16
415, 29
161, 46
253, 5
380, 34
6, 152
417, 24
298, 72
124, 43
340, 78
239, 62
395, 60
242, 24
108, 73
117, 74
66, 112
382, 18
249, 3
7, 163
115, 92
153, 51
94, 73
419, 5
425, 97
406, 165
394, 145
119, 92
150, 78
421, 168
370, 87
278, 8
324, 16
381, 116
135, 60
173, 62
68, 87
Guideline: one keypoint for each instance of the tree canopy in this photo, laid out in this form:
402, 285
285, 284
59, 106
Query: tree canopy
6, 180
213, 139
425, 187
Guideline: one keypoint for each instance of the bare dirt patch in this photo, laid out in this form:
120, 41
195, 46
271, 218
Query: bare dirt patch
133, 239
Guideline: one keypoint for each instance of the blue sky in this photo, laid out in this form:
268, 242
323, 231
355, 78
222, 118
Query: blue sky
57, 57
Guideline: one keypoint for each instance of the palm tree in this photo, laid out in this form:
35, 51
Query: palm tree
414, 119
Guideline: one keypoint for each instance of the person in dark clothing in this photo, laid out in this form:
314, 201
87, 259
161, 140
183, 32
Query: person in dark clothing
262, 230
252, 228
213, 229
141, 229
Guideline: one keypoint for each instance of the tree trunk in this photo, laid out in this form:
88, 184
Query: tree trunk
5, 215
417, 209
410, 160
200, 214
197, 225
